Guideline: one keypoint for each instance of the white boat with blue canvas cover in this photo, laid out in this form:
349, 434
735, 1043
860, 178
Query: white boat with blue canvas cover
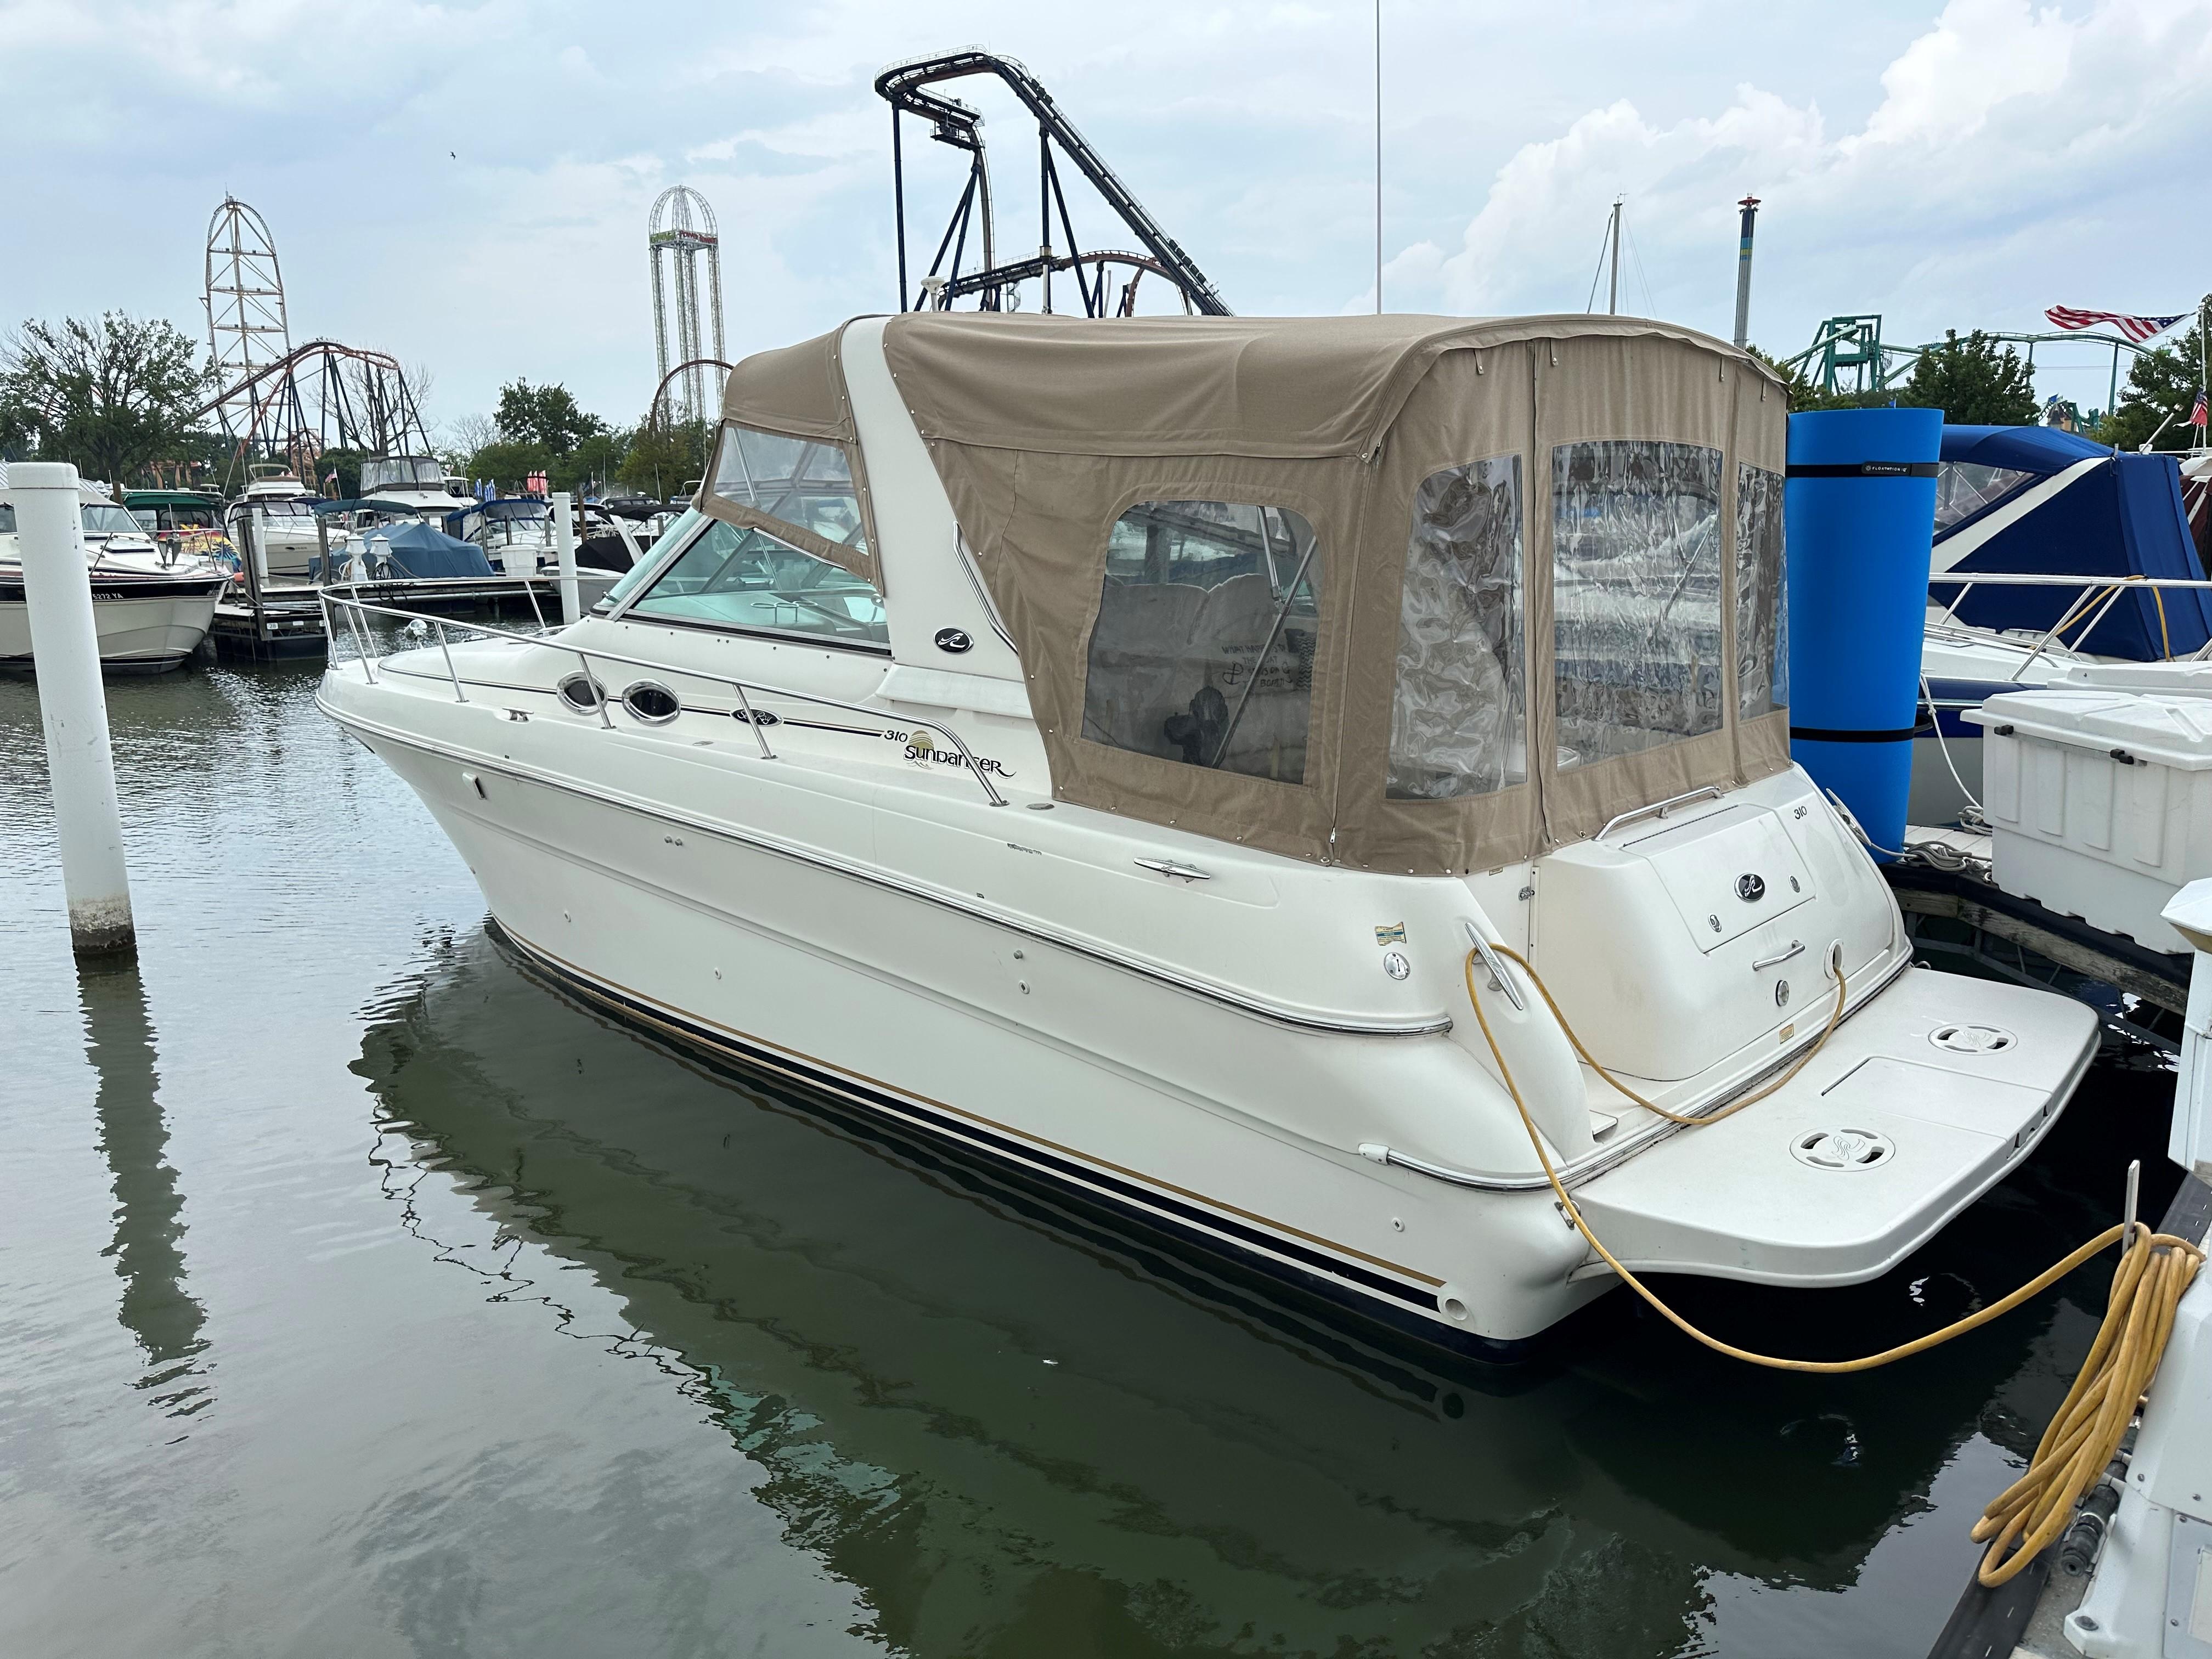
1163, 753
2093, 527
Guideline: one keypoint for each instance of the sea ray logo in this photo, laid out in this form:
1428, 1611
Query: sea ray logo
1393, 934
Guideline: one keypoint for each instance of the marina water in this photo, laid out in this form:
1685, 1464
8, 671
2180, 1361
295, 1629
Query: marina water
363, 1295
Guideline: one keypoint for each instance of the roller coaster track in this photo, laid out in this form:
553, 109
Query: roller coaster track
906, 87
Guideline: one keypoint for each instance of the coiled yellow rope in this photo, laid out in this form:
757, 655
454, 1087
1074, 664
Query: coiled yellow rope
2153, 1270
2023, 1519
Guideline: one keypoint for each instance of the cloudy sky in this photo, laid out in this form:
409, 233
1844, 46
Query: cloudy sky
466, 185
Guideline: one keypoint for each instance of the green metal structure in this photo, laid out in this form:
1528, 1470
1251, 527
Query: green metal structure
1848, 355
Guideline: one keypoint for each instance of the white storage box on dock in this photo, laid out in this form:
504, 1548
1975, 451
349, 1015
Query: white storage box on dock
2100, 802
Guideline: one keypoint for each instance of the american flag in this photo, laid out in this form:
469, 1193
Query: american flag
2137, 329
2196, 411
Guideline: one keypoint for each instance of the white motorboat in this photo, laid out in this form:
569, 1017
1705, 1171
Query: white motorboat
151, 605
1146, 751
516, 535
2050, 555
416, 484
282, 512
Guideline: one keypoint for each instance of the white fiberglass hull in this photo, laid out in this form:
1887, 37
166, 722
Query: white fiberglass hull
1256, 1135
142, 632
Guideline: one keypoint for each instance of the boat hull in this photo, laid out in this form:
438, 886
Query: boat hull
1150, 1100
143, 627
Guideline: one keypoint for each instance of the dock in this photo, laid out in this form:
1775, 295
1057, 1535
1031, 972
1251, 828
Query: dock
1953, 909
285, 620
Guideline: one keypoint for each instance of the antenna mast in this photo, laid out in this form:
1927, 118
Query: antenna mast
1750, 206
1378, 157
1612, 234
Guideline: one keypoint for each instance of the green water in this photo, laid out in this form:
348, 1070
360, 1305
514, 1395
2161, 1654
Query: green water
362, 1296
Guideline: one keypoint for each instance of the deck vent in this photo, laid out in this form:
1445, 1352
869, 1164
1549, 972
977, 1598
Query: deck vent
1972, 1039
581, 692
1843, 1148
650, 702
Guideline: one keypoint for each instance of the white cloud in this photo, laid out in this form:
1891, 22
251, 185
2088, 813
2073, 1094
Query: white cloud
472, 189
2017, 158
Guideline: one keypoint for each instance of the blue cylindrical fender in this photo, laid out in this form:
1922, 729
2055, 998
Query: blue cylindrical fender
1859, 508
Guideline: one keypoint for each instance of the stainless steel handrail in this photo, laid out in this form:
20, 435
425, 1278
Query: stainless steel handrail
2115, 588
745, 689
1658, 808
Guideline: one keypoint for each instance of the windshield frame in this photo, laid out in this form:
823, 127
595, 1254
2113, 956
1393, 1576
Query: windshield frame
130, 527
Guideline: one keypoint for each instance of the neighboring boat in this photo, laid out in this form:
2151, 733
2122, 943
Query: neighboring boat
151, 604
283, 511
515, 534
183, 523
416, 485
1141, 750
2033, 501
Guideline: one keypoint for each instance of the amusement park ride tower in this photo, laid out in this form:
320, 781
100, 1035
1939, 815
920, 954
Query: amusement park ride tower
680, 236
247, 328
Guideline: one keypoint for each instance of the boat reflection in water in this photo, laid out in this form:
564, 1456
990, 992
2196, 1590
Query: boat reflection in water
1005, 1422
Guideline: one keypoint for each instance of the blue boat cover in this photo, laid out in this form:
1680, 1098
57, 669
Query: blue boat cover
2121, 517
418, 550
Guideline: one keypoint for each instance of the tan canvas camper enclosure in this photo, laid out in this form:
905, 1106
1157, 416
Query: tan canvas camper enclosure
1410, 593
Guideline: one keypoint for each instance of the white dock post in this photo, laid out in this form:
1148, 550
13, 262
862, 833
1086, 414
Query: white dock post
2188, 912
73, 709
564, 546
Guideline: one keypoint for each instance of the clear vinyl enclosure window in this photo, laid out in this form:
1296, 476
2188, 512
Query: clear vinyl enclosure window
734, 577
1636, 595
1762, 595
1965, 487
804, 482
1203, 647
1458, 715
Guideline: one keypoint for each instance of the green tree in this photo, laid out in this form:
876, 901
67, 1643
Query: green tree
2163, 383
593, 465
663, 458
1975, 381
109, 394
508, 465
346, 463
546, 416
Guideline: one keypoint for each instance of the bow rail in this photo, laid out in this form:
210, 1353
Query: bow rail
370, 654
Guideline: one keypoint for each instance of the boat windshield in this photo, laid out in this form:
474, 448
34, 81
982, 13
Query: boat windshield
678, 530
538, 510
747, 579
288, 511
106, 519
402, 472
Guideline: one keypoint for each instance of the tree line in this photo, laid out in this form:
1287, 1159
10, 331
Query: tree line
117, 396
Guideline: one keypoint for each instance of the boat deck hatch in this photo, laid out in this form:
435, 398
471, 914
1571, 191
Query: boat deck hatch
1727, 873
